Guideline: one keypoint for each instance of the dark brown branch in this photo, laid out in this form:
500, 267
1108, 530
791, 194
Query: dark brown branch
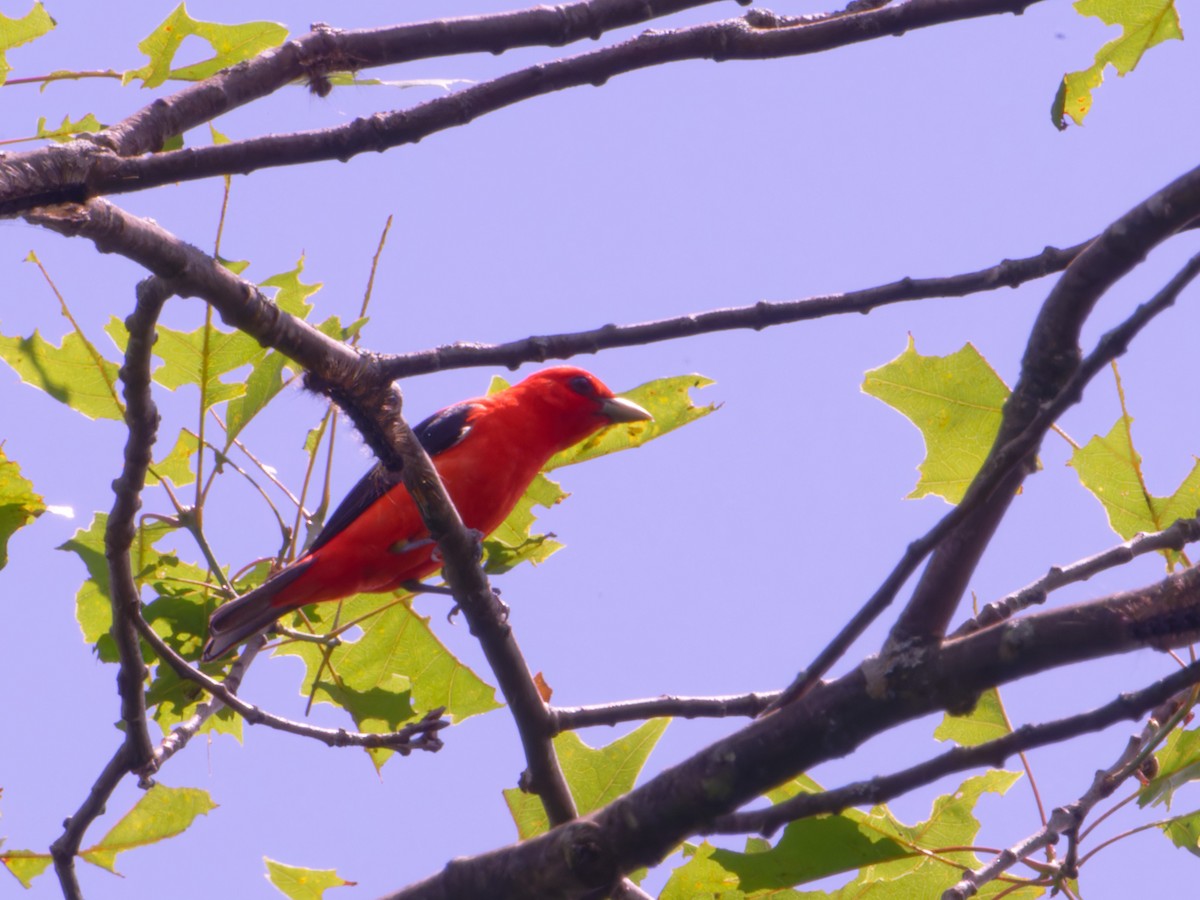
488, 621
1048, 370
182, 733
567, 718
422, 735
1068, 819
1177, 536
74, 172
1005, 462
64, 849
583, 858
960, 759
539, 348
326, 50
141, 418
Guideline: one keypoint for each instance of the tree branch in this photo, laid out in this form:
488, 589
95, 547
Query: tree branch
582, 859
1068, 819
1175, 537
1005, 462
80, 170
883, 788
539, 348
568, 718
1048, 371
422, 735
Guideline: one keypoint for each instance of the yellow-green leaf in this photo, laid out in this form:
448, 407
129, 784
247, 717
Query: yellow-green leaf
74, 373
1111, 468
955, 401
986, 722
230, 44
1178, 764
161, 813
397, 670
19, 505
513, 543
25, 865
1144, 24
15, 32
595, 775
303, 884
67, 129
176, 466
201, 357
878, 845
1184, 832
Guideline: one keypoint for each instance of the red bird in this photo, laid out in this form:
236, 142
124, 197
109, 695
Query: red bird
486, 450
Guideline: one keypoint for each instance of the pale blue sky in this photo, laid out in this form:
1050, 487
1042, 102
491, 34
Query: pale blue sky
721, 558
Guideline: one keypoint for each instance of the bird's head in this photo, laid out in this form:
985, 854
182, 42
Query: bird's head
576, 401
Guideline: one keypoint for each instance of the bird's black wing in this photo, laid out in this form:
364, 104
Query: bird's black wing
437, 434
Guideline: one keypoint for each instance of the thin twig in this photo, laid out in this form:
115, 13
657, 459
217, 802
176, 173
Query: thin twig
422, 735
766, 314
1175, 537
568, 718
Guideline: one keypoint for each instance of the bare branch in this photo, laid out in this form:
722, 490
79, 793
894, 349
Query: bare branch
81, 170
422, 735
1175, 537
539, 348
1068, 819
585, 857
567, 718
182, 733
991, 753
64, 849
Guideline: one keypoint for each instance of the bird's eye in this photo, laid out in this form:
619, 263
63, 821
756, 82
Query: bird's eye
583, 385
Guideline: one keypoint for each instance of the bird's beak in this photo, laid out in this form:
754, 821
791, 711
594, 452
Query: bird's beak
618, 409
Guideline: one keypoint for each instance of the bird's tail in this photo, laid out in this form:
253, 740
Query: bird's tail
247, 615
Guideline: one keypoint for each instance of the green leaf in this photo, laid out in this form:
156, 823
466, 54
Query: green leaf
955, 401
595, 775
176, 466
1178, 763
25, 865
875, 843
513, 543
67, 129
1144, 24
230, 44
15, 32
665, 398
93, 609
1111, 469
201, 357
161, 813
701, 877
986, 722
266, 377
74, 373
179, 615
292, 294
303, 884
19, 505
1184, 831
396, 671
